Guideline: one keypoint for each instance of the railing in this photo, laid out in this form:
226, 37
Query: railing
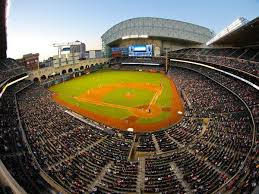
4, 82
216, 69
244, 74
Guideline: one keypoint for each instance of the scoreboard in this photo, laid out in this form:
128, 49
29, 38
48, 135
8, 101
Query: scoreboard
133, 51
140, 51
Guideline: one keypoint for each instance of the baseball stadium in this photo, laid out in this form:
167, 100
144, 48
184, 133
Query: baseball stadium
168, 107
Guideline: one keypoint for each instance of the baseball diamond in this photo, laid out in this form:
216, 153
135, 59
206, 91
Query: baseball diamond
143, 101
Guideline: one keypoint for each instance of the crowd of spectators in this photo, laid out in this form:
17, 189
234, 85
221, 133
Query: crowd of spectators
246, 92
14, 153
147, 68
225, 126
138, 60
82, 158
132, 63
64, 145
120, 177
9, 68
246, 60
159, 177
146, 143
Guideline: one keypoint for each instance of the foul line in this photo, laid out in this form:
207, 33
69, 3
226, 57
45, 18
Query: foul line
155, 97
100, 103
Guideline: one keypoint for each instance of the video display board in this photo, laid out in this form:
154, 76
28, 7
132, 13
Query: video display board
140, 51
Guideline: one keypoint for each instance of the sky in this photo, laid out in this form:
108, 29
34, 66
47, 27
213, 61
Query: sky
34, 25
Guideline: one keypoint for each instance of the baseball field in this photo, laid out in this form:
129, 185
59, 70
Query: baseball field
142, 101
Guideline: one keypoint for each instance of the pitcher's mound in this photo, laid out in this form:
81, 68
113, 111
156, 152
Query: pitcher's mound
129, 95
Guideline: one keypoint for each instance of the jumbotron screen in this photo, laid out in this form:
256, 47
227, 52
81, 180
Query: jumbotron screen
140, 51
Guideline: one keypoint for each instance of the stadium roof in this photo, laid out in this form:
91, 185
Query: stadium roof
246, 35
143, 27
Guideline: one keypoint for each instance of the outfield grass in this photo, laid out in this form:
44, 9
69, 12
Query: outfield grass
74, 88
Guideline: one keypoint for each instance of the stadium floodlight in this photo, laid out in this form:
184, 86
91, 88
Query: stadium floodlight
125, 37
143, 36
232, 27
134, 36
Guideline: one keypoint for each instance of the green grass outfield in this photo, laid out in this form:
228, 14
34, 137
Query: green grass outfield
75, 87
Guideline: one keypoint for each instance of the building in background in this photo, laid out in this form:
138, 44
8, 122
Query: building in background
46, 63
80, 48
30, 61
71, 47
66, 59
87, 54
162, 34
3, 41
73, 58
69, 53
93, 54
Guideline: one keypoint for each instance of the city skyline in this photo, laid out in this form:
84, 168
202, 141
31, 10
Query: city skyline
33, 26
